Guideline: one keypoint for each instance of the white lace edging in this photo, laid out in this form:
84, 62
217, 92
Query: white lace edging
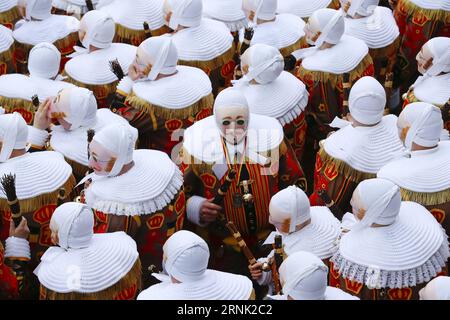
294, 112
142, 207
393, 279
236, 25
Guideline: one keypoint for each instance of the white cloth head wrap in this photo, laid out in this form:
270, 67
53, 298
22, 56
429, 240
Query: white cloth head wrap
425, 124
230, 97
37, 9
83, 108
362, 7
367, 100
265, 63
330, 23
186, 255
380, 199
13, 134
187, 13
100, 29
44, 61
290, 203
440, 49
304, 276
263, 9
163, 55
75, 225
436, 289
120, 140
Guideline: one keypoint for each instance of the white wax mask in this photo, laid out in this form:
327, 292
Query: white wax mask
101, 160
312, 31
424, 59
60, 108
233, 122
167, 12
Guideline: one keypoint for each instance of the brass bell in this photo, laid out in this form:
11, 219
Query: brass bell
248, 197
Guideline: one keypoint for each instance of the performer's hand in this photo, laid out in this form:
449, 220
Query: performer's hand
256, 271
41, 118
22, 230
209, 211
134, 73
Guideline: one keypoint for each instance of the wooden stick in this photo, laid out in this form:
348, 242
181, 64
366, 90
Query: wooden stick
241, 243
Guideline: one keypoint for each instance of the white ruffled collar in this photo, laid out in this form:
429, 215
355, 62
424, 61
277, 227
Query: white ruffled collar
285, 98
6, 5
435, 90
301, 8
178, 91
408, 252
366, 149
49, 30
203, 43
378, 30
93, 67
131, 193
215, 285
425, 171
350, 51
432, 4
37, 173
229, 12
109, 257
6, 38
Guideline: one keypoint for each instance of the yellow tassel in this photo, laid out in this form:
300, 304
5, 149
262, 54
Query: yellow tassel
426, 198
334, 79
411, 9
300, 43
10, 16
14, 103
166, 113
132, 278
35, 203
212, 64
343, 168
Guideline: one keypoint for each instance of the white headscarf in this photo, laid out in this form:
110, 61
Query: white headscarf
44, 61
330, 23
436, 289
263, 9
304, 276
83, 108
13, 134
425, 124
162, 55
380, 199
120, 140
187, 13
37, 9
100, 29
75, 225
362, 7
290, 203
230, 97
265, 64
367, 100
440, 49
186, 256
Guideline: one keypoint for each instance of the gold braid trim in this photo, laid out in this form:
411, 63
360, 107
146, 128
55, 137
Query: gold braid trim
320, 76
300, 43
133, 277
95, 88
426, 198
166, 113
15, 103
35, 203
412, 10
343, 168
10, 16
212, 64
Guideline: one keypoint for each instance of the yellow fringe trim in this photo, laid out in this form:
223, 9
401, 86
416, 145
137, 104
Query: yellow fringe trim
411, 9
320, 76
10, 16
124, 34
110, 87
166, 113
60, 44
300, 43
13, 103
213, 64
343, 168
386, 51
133, 277
77, 168
7, 56
33, 204
426, 198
